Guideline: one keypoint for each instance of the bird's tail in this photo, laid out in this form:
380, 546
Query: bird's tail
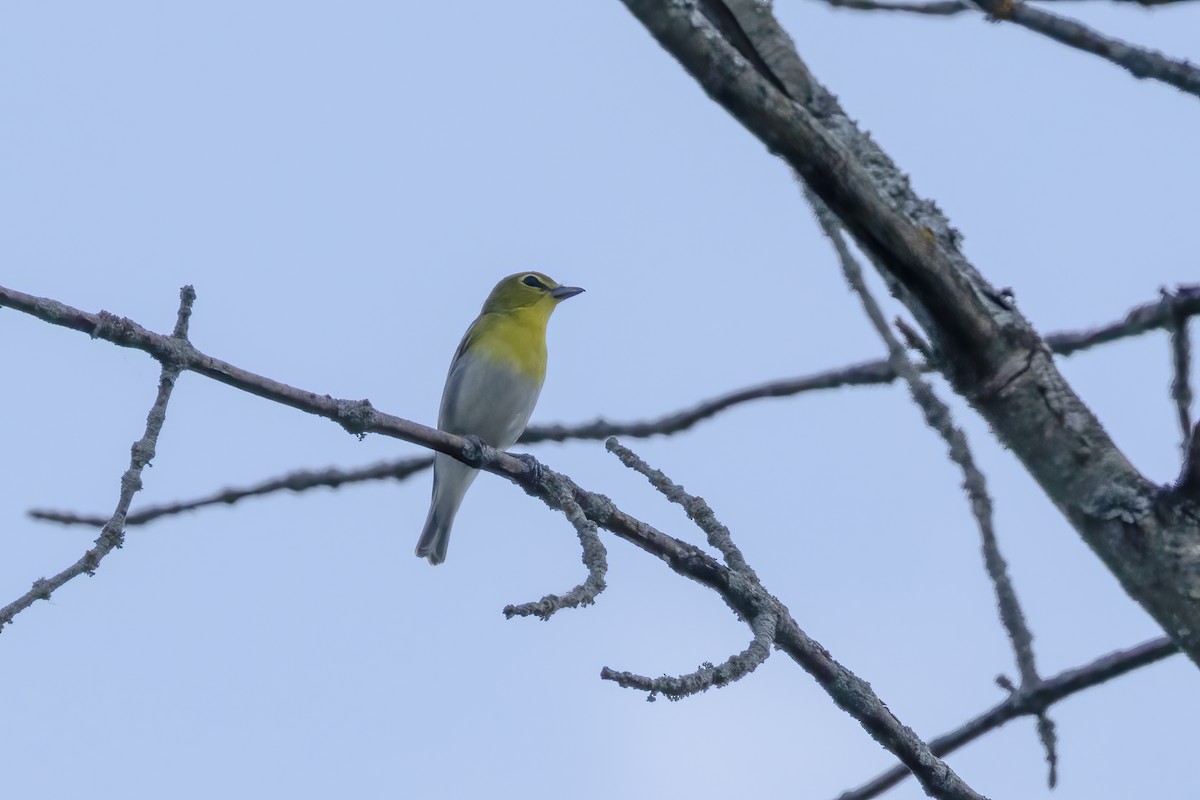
450, 481
435, 538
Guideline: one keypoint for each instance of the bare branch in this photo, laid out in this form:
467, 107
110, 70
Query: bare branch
868, 373
1185, 300
112, 534
1158, 315
913, 340
298, 481
1049, 739
1026, 702
991, 354
1181, 362
1187, 486
946, 8
871, 373
936, 777
697, 510
937, 416
848, 691
735, 667
764, 622
1141, 62
935, 8
595, 558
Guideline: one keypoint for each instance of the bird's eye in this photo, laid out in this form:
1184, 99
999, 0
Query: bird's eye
531, 280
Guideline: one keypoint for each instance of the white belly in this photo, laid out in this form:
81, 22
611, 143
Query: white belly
488, 400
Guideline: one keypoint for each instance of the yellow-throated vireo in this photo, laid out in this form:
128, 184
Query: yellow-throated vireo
493, 385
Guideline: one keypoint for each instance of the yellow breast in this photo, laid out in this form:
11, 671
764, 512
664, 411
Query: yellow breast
516, 338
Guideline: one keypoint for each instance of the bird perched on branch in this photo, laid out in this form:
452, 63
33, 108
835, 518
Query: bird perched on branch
493, 385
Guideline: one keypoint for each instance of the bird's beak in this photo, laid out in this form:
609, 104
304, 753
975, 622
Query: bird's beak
563, 292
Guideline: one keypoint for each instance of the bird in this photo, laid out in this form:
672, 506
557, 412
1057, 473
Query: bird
493, 385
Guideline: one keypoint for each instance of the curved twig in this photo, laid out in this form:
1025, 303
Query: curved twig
677, 687
595, 558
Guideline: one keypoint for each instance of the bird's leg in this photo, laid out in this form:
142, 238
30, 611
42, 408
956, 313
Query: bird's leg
533, 466
475, 451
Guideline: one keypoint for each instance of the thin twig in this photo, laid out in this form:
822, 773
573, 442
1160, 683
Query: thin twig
1028, 701
1181, 362
914, 341
1141, 62
112, 534
298, 481
764, 621
868, 373
595, 558
1188, 483
937, 416
697, 510
937, 8
707, 676
1157, 315
947, 8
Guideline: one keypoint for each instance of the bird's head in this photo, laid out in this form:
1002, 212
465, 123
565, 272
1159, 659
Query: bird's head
526, 289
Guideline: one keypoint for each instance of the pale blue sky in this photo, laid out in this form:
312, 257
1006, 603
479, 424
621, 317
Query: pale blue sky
343, 185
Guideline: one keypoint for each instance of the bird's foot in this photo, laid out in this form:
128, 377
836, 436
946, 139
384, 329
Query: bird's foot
474, 452
532, 465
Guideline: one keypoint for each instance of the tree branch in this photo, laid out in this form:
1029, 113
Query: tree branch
1141, 62
1181, 363
1159, 315
696, 509
937, 416
112, 535
933, 8
297, 481
947, 8
1187, 485
991, 354
764, 625
677, 687
595, 558
1028, 701
848, 691
1185, 300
